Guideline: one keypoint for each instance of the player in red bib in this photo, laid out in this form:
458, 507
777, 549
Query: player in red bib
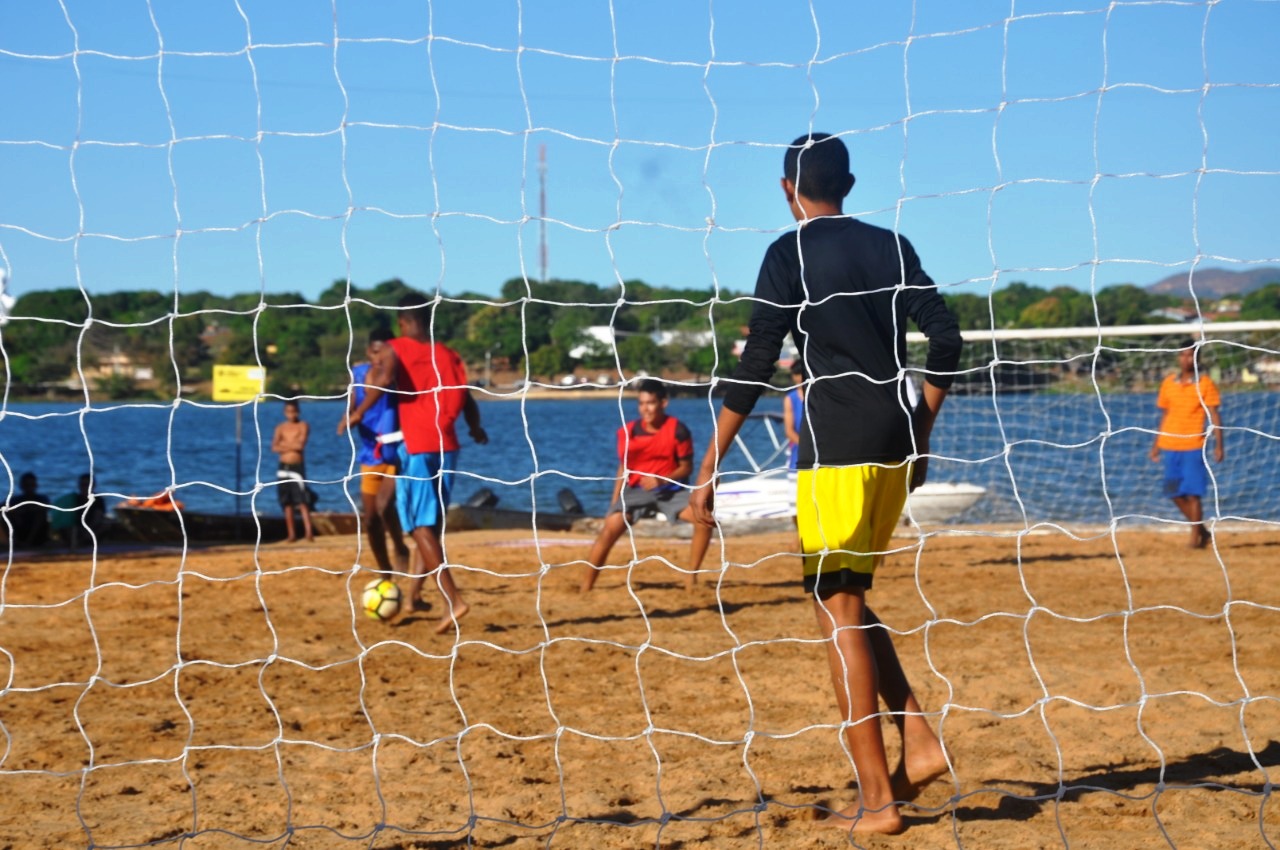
431, 384
655, 458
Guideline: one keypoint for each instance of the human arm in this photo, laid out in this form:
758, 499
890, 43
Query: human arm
277, 439
684, 466
351, 405
793, 437
379, 378
1162, 403
702, 501
935, 320
471, 413
1219, 449
922, 419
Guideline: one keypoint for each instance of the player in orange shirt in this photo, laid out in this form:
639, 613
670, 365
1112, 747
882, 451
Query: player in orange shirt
1186, 399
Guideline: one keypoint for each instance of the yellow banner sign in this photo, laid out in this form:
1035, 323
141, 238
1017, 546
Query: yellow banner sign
238, 383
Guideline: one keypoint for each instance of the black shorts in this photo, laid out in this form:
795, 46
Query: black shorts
292, 489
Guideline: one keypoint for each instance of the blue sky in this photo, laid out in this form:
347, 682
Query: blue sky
239, 145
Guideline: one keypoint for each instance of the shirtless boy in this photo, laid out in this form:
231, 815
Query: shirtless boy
290, 442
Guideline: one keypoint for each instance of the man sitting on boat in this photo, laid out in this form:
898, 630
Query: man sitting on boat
655, 459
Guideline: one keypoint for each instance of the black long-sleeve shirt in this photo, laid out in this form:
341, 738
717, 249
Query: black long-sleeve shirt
844, 290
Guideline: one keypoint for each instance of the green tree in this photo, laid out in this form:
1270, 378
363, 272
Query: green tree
638, 352
973, 312
701, 361
1049, 312
1262, 303
549, 361
499, 330
1009, 302
116, 386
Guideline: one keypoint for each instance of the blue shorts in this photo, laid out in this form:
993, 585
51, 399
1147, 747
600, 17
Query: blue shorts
423, 486
1185, 474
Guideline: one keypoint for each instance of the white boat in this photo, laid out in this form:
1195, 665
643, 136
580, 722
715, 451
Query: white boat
767, 490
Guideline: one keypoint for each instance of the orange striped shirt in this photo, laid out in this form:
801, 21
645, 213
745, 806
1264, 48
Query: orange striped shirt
1185, 410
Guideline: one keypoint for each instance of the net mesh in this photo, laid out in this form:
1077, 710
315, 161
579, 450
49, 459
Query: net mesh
1102, 689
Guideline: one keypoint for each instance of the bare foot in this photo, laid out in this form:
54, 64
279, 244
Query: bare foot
885, 821
1202, 539
459, 611
914, 774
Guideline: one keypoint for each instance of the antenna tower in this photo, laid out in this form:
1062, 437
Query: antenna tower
542, 210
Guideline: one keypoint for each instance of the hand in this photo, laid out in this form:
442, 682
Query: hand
480, 435
1218, 453
919, 471
702, 502
342, 426
1155, 455
648, 482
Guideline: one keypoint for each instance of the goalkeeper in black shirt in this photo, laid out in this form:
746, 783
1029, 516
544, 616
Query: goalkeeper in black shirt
845, 291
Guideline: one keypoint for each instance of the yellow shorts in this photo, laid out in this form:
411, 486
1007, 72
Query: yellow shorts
846, 516
372, 476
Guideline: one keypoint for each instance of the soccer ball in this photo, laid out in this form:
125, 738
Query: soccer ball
381, 599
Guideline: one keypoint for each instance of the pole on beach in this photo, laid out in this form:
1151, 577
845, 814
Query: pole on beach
238, 384
239, 432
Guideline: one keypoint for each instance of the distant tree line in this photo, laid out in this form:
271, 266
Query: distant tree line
528, 326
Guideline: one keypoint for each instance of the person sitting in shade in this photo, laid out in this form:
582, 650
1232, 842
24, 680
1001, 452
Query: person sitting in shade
28, 513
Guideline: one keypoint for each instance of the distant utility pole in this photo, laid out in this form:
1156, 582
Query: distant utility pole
542, 210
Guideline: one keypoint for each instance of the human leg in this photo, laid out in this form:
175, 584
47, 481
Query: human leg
431, 559
374, 530
422, 495
305, 510
854, 677
697, 548
290, 535
614, 526
923, 759
385, 506
1192, 508
1186, 479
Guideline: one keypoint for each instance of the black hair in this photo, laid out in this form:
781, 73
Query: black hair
292, 402
818, 165
27, 476
653, 387
381, 333
1187, 343
797, 368
418, 306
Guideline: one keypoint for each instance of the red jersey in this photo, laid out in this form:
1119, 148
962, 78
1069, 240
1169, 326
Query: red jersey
431, 385
653, 453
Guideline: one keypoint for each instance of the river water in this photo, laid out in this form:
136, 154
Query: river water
1042, 458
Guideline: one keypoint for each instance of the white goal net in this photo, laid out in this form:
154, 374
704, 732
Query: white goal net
585, 190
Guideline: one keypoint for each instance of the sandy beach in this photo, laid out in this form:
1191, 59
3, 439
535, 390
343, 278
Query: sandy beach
1095, 689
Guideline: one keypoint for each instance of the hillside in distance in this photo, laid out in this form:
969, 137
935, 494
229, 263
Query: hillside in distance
1216, 283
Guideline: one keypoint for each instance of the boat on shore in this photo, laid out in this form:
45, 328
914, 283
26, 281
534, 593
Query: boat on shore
176, 525
767, 490
481, 512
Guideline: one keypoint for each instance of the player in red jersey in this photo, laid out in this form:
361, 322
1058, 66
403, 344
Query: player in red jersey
655, 458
